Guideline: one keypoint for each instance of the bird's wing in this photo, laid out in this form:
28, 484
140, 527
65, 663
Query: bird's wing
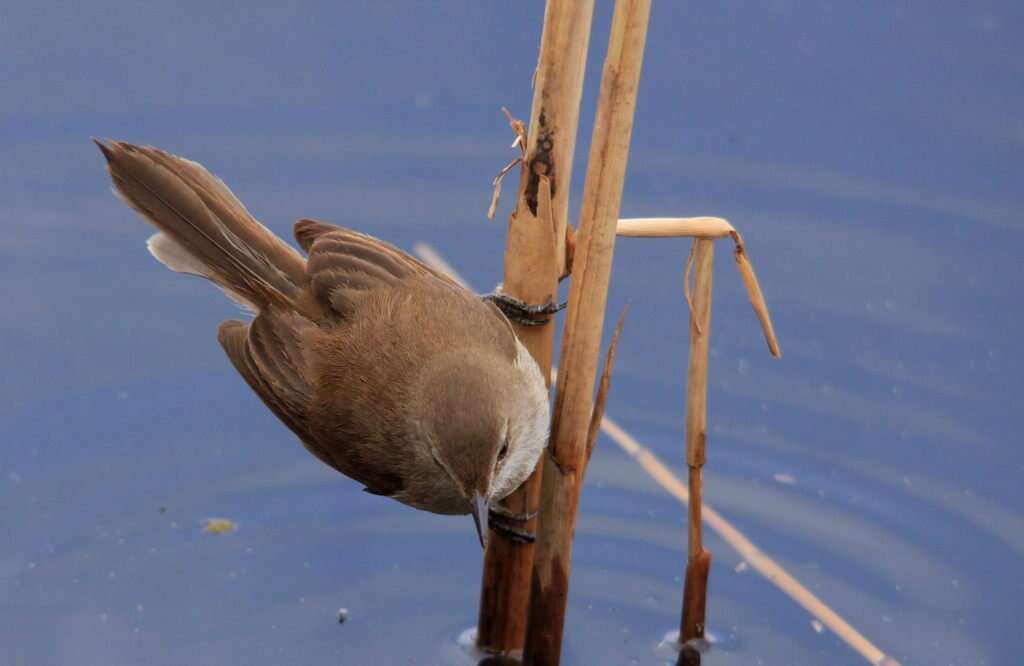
344, 265
270, 355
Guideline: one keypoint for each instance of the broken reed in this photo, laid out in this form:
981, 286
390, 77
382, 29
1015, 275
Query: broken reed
709, 228
565, 457
534, 263
704, 230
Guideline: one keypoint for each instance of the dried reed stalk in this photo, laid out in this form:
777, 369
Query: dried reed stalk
672, 227
704, 230
709, 227
534, 263
595, 242
756, 298
597, 417
699, 562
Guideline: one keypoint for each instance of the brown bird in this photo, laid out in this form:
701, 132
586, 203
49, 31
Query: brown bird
388, 371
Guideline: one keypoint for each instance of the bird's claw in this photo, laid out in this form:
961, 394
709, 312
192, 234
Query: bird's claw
521, 312
500, 519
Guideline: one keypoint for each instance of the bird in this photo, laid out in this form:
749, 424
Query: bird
386, 370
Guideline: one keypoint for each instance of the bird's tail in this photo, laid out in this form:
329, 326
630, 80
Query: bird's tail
203, 229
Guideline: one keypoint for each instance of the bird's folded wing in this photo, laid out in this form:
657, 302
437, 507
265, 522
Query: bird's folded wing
270, 356
345, 265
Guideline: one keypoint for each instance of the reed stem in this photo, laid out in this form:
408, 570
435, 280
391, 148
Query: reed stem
595, 242
534, 262
699, 560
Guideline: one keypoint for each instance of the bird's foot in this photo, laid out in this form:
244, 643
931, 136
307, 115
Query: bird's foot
514, 533
507, 523
521, 312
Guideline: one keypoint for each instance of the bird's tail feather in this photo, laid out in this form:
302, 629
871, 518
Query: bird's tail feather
203, 229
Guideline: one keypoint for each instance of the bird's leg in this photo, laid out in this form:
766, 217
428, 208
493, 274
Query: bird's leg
504, 522
521, 312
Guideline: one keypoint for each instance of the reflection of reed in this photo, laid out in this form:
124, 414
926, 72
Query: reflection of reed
757, 559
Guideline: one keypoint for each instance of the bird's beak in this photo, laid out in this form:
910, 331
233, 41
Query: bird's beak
481, 510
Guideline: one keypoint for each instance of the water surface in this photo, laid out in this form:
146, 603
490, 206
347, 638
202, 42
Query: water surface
870, 153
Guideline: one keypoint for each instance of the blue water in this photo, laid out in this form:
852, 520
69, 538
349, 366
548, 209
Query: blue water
871, 154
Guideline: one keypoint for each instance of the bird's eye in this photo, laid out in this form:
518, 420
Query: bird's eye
503, 452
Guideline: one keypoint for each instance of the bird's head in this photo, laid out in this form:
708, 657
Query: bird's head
489, 425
